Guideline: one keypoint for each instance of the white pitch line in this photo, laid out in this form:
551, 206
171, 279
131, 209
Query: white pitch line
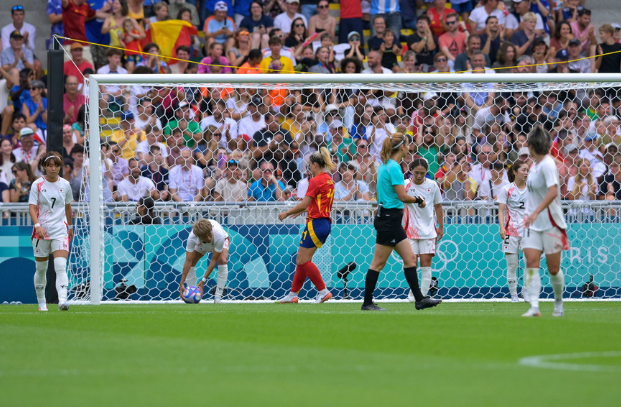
555, 362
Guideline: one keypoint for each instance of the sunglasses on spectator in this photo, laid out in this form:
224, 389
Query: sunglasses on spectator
14, 172
363, 145
115, 150
33, 88
441, 60
217, 134
299, 25
322, 7
15, 8
354, 39
244, 33
451, 22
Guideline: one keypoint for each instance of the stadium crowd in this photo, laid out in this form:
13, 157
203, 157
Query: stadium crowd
195, 144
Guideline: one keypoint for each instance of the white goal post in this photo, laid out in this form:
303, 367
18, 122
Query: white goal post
399, 85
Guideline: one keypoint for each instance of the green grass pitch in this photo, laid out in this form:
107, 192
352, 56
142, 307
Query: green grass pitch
459, 354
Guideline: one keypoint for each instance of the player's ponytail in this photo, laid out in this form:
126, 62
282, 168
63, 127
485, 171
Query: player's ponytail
390, 145
323, 159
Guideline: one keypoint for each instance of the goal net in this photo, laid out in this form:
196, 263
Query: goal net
234, 148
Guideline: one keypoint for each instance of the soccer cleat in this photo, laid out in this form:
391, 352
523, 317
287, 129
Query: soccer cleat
411, 297
558, 310
372, 307
63, 306
427, 302
323, 298
43, 307
217, 300
532, 312
288, 300
525, 296
515, 298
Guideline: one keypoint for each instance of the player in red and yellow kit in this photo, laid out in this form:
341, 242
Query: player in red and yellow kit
318, 202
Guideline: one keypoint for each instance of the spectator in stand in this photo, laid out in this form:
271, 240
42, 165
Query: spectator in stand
492, 38
570, 11
120, 169
379, 129
226, 125
481, 172
18, 122
350, 20
584, 31
515, 18
610, 188
176, 6
16, 55
19, 187
144, 147
463, 61
525, 39
55, 17
506, 58
146, 213
497, 112
251, 66
590, 152
375, 63
322, 56
617, 35
583, 185
29, 32
215, 57
453, 41
350, 188
112, 94
75, 15
241, 49
258, 24
183, 54
151, 59
77, 174
541, 56
390, 11
429, 144
72, 100
463, 7
561, 38
113, 24
135, 186
254, 121
77, 65
284, 20
27, 153
577, 63
562, 66
136, 10
35, 108
275, 44
477, 20
365, 165
390, 50
68, 142
490, 190
608, 63
128, 137
440, 62
322, 21
161, 13
190, 129
379, 29
438, 14
231, 188
457, 184
186, 179
220, 28
7, 159
268, 187
155, 170
355, 49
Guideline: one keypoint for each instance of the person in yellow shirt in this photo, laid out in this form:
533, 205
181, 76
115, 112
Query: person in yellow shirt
275, 44
128, 137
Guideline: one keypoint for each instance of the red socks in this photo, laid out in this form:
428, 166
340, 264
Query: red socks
298, 279
307, 269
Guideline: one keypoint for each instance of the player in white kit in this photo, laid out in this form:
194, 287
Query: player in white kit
420, 223
545, 230
206, 236
512, 197
50, 211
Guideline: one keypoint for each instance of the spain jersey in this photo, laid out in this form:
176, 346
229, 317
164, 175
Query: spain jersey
321, 190
50, 199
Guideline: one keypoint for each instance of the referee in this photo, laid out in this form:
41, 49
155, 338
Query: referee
388, 223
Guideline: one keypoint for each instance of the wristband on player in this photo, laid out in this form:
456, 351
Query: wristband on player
70, 227
37, 225
203, 280
419, 200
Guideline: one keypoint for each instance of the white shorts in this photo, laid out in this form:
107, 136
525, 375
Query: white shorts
512, 244
548, 241
43, 248
423, 246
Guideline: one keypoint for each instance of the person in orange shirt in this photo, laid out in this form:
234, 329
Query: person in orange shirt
252, 64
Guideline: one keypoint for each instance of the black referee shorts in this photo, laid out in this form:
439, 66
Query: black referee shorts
389, 227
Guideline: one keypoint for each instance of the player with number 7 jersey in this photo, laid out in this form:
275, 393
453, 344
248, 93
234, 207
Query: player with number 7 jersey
318, 202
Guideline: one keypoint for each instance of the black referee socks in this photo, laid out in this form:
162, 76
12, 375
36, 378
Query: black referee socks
412, 279
369, 286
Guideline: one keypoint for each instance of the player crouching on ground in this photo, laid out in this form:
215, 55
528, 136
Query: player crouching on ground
50, 211
419, 223
206, 236
545, 230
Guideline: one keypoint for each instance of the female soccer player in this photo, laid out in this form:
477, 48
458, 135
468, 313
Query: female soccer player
419, 223
318, 202
207, 235
391, 196
50, 211
544, 225
513, 197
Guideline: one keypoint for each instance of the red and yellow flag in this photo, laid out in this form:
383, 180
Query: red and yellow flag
169, 35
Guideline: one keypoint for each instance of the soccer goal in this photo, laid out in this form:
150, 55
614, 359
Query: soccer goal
234, 148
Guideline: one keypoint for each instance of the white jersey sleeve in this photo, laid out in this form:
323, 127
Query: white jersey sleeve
420, 223
50, 199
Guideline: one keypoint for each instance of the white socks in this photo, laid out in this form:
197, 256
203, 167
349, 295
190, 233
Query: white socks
40, 280
558, 281
223, 274
425, 280
62, 281
512, 265
532, 280
190, 279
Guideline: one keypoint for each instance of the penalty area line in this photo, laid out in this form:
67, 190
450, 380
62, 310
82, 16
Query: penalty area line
559, 362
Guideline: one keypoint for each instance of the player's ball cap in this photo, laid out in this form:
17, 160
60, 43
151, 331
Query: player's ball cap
293, 1
331, 108
574, 41
221, 6
616, 26
430, 95
255, 101
26, 131
538, 40
524, 151
16, 34
232, 162
76, 45
591, 136
562, 55
127, 115
336, 124
352, 34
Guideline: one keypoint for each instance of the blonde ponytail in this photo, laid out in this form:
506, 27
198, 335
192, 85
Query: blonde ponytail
390, 144
323, 159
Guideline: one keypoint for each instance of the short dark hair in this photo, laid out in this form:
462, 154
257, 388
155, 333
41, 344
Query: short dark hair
255, 53
584, 11
153, 148
425, 17
18, 115
77, 149
114, 51
275, 41
539, 140
419, 162
184, 48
